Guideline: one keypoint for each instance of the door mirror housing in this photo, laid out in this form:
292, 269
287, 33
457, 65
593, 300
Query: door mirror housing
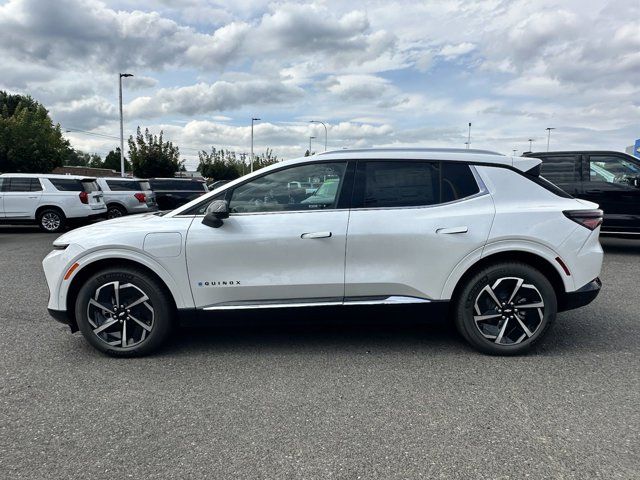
215, 213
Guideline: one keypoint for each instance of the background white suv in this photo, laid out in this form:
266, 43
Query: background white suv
480, 231
51, 201
125, 196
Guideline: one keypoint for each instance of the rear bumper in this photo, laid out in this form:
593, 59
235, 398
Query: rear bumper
88, 218
62, 316
581, 297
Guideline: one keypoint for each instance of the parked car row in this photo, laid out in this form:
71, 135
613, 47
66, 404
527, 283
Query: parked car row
54, 202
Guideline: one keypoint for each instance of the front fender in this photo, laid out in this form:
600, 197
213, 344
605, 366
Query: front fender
182, 297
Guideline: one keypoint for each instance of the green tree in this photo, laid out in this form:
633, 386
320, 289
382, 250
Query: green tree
265, 159
112, 161
95, 161
152, 157
219, 165
29, 141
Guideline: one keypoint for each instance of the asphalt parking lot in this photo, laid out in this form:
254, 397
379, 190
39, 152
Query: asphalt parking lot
370, 393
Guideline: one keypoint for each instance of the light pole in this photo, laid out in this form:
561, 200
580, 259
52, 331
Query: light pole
310, 138
469, 137
548, 129
325, 132
514, 152
530, 144
121, 122
252, 120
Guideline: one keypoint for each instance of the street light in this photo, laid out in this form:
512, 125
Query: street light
469, 137
325, 132
514, 152
252, 120
310, 138
121, 122
548, 129
530, 144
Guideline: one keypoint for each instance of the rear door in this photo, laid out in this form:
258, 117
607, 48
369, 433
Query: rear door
411, 223
613, 181
564, 171
21, 197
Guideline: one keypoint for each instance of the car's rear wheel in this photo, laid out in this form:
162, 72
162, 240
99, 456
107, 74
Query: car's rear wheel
505, 308
124, 312
115, 211
51, 220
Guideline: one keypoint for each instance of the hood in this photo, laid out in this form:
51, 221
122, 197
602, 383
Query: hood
118, 231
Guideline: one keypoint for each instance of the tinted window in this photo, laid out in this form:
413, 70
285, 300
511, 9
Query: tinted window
457, 182
560, 169
67, 184
177, 185
22, 185
124, 185
613, 169
304, 187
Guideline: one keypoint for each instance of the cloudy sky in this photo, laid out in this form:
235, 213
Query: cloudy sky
379, 73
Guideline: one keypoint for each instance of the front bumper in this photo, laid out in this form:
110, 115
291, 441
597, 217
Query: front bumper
581, 297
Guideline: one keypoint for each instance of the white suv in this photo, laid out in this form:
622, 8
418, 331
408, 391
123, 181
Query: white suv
506, 249
51, 201
125, 196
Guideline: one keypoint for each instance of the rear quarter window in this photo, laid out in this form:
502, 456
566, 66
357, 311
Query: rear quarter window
125, 185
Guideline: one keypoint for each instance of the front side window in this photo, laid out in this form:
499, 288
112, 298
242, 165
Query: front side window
614, 170
303, 187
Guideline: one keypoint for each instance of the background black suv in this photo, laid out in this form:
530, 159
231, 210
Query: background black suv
611, 179
174, 192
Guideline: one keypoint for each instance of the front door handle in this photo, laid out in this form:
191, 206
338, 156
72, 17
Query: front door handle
451, 230
315, 235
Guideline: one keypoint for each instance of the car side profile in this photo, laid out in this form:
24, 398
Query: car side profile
50, 201
127, 196
611, 179
474, 230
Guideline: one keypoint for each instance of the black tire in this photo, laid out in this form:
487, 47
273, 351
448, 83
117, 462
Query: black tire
513, 316
115, 211
51, 220
159, 318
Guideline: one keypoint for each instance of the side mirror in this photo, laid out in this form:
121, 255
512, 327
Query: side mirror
216, 211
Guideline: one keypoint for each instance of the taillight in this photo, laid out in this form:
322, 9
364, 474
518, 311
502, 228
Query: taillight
590, 219
84, 197
141, 197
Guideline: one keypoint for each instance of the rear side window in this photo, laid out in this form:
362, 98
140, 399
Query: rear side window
412, 183
561, 169
67, 184
177, 185
124, 185
21, 185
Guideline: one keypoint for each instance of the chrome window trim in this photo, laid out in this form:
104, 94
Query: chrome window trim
306, 302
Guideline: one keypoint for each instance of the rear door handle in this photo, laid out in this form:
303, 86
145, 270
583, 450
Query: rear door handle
305, 236
451, 230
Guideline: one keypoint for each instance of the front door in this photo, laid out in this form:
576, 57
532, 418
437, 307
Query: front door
21, 197
613, 182
412, 222
283, 244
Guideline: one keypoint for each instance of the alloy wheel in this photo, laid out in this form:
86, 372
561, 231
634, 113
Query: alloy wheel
51, 221
114, 213
120, 314
509, 311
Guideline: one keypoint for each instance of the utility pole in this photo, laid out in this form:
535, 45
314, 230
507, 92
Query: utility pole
252, 120
548, 129
469, 137
121, 121
325, 132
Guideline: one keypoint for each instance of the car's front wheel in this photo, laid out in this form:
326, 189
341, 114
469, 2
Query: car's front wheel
124, 312
505, 308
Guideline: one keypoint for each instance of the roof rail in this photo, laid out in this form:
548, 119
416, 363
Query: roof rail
412, 149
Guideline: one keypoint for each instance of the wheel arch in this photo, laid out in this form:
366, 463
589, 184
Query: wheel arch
97, 264
546, 267
49, 206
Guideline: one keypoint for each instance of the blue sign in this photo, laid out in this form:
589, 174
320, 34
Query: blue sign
636, 149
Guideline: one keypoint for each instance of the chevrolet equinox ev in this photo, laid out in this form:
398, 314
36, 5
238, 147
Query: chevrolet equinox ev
506, 249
